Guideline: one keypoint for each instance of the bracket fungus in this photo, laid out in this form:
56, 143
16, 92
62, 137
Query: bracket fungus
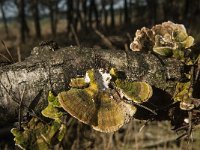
183, 94
101, 105
106, 100
37, 134
166, 39
171, 40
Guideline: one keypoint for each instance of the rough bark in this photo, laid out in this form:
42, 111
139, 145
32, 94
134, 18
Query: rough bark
48, 70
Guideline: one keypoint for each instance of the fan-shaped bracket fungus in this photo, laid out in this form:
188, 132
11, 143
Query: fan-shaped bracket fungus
172, 40
101, 104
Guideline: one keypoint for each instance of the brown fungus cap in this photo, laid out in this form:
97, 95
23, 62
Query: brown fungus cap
162, 39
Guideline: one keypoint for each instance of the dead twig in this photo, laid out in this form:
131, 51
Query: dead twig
145, 124
17, 100
190, 124
106, 41
126, 47
157, 143
129, 37
20, 106
75, 35
11, 58
5, 57
19, 54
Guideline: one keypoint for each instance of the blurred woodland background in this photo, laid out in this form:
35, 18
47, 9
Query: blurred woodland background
100, 24
92, 23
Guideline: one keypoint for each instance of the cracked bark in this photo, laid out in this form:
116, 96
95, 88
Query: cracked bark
48, 70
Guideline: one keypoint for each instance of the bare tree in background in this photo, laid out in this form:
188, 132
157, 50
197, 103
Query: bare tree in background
171, 10
36, 17
186, 8
126, 15
103, 12
78, 17
70, 13
112, 14
152, 11
2, 2
52, 6
84, 13
194, 9
93, 11
24, 29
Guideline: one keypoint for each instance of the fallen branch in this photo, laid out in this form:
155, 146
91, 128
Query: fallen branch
51, 70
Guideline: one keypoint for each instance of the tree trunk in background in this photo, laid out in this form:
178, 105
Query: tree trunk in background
36, 18
194, 11
77, 16
4, 20
51, 15
196, 8
93, 11
70, 9
112, 13
24, 30
152, 11
106, 19
53, 8
126, 15
186, 8
56, 12
103, 13
96, 14
121, 16
84, 13
130, 10
90, 13
169, 11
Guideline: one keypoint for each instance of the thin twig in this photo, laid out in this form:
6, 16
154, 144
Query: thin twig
20, 106
182, 128
181, 136
110, 142
5, 57
190, 124
20, 114
142, 127
15, 99
75, 35
142, 106
129, 37
106, 41
7, 50
157, 143
19, 54
126, 47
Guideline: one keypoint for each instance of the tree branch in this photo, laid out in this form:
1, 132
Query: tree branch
47, 70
